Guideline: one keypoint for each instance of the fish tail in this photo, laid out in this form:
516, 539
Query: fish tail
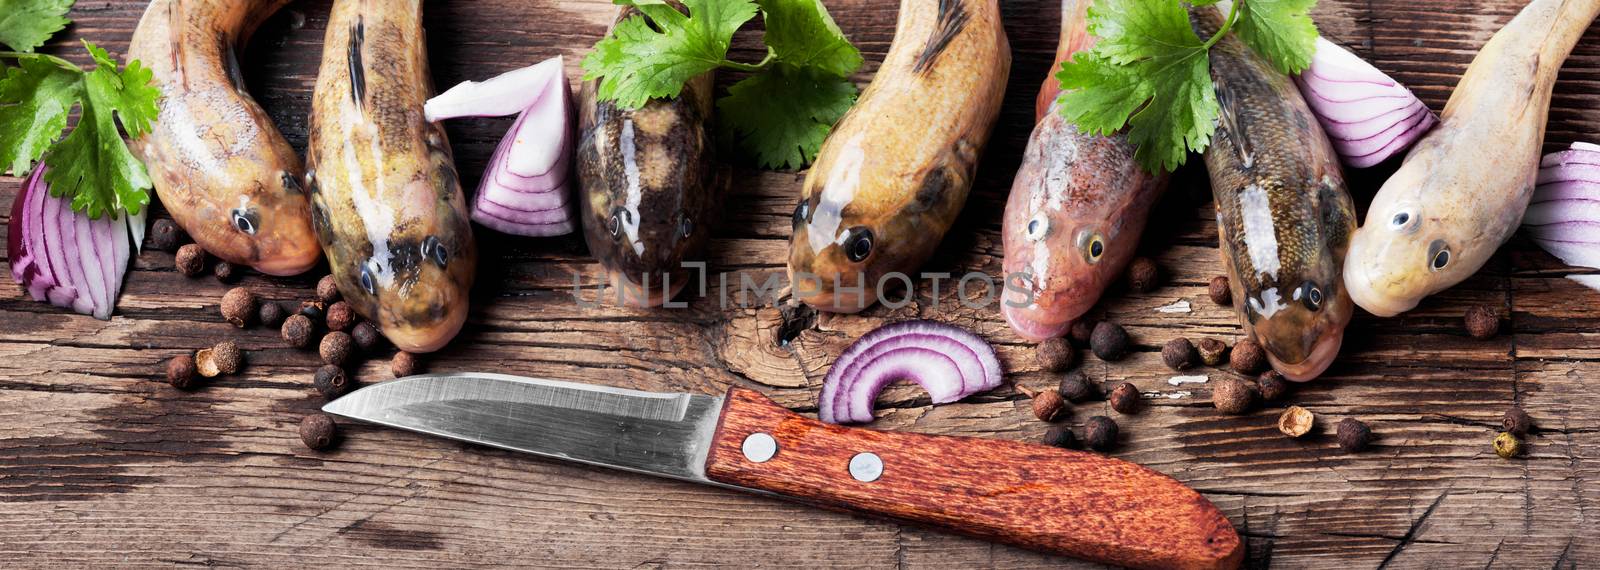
1075, 37
1569, 19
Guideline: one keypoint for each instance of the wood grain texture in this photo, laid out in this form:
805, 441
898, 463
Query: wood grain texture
102, 465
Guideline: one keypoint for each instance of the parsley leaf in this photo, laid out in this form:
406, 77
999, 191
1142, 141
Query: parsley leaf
35, 98
26, 24
639, 62
93, 165
782, 116
1280, 30
802, 34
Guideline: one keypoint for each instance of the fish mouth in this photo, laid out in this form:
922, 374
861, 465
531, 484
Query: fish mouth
289, 263
1026, 326
1380, 301
1316, 361
426, 338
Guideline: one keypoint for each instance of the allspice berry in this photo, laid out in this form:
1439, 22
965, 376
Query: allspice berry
1247, 358
1125, 398
1082, 330
190, 260
1179, 354
180, 371
1076, 387
1220, 293
206, 363
366, 336
1100, 433
327, 289
271, 314
1212, 351
1296, 421
1507, 446
1354, 435
1060, 436
1233, 396
318, 431
165, 235
1483, 322
1047, 405
331, 381
404, 364
239, 306
1054, 355
297, 331
335, 348
1143, 275
227, 356
226, 272
1273, 386
1517, 422
340, 316
1109, 342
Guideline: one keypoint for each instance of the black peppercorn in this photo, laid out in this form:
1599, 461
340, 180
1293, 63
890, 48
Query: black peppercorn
1109, 342
225, 272
335, 348
1354, 435
1143, 275
1047, 405
180, 371
1273, 386
1247, 358
271, 314
327, 289
1517, 422
1082, 330
1220, 293
1233, 396
1483, 322
1212, 351
1060, 436
239, 306
340, 316
1125, 398
1054, 355
331, 381
297, 331
165, 235
1101, 433
404, 364
190, 260
1076, 387
318, 431
1179, 354
366, 336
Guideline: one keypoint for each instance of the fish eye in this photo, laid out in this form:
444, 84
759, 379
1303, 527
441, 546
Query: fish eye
1438, 255
369, 282
802, 211
614, 223
1311, 296
685, 225
246, 220
434, 250
1097, 248
1092, 245
858, 244
1404, 220
292, 184
1038, 227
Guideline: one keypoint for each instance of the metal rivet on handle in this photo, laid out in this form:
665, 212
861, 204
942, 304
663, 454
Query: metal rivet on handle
759, 447
866, 467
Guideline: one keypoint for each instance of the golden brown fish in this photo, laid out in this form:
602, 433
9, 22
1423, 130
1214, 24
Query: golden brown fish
386, 201
218, 164
895, 172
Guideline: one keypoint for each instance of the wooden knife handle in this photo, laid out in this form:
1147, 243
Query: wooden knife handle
1034, 496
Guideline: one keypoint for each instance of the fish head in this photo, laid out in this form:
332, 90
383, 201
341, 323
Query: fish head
1403, 254
1056, 265
644, 247
275, 230
838, 257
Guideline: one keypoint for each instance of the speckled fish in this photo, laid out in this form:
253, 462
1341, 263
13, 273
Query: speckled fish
1284, 217
386, 202
1077, 207
1463, 189
650, 187
892, 177
219, 165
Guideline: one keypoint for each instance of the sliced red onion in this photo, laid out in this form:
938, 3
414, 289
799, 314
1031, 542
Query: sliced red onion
527, 188
949, 362
1368, 116
62, 257
1564, 216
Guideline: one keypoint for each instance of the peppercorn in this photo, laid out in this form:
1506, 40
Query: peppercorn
366, 336
331, 381
1179, 354
1233, 396
1247, 357
340, 316
271, 313
1054, 355
318, 431
1082, 330
1220, 293
191, 260
1100, 433
227, 356
1507, 446
1296, 421
1517, 422
335, 348
404, 364
1212, 351
1076, 387
1047, 405
1354, 435
1060, 436
1109, 342
327, 289
180, 371
1143, 275
297, 331
165, 235
1483, 321
239, 306
225, 272
313, 310
1272, 385
206, 363
1125, 398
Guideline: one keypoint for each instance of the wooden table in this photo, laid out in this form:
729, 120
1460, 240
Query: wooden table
101, 464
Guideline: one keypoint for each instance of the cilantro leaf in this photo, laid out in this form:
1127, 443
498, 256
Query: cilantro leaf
27, 24
638, 62
35, 98
802, 34
782, 115
1279, 30
93, 165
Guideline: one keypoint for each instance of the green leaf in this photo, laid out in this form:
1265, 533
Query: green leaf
93, 165
638, 62
35, 98
1279, 30
782, 115
802, 34
27, 24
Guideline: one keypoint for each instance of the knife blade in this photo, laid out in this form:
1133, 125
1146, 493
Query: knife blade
1038, 497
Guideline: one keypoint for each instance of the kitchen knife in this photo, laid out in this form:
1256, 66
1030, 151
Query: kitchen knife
1034, 496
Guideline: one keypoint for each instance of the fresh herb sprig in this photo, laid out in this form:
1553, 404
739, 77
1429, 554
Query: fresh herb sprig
781, 112
92, 165
1148, 71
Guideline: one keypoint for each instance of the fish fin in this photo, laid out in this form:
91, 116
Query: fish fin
1233, 130
953, 18
358, 67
